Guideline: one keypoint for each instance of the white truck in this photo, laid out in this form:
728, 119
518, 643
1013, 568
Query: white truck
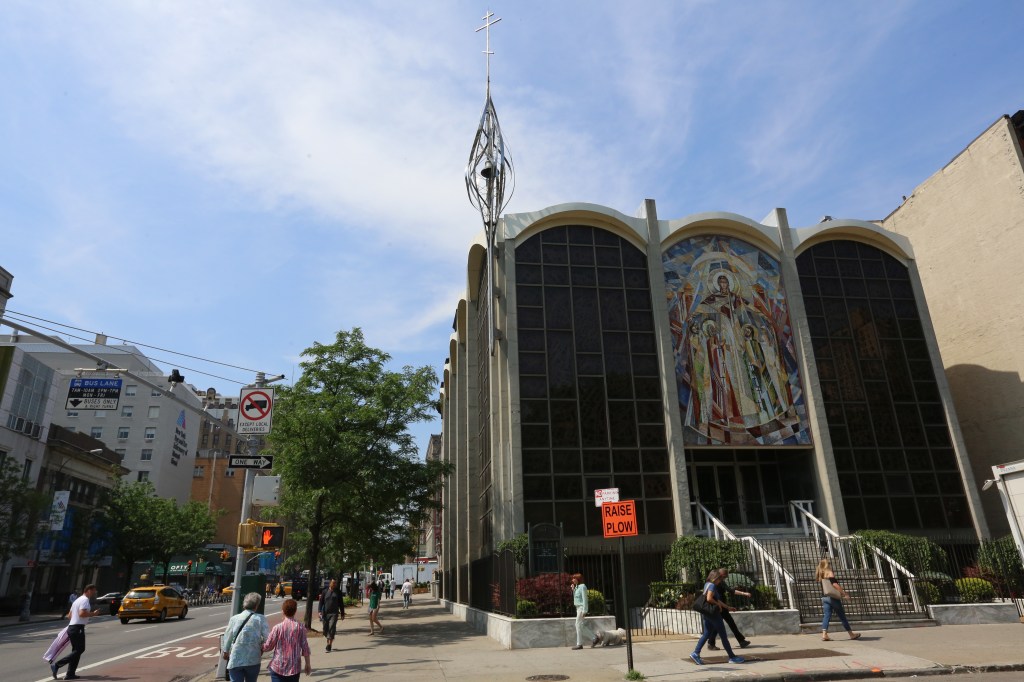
422, 572
1009, 479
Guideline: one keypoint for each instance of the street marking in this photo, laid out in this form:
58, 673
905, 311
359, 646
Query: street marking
139, 651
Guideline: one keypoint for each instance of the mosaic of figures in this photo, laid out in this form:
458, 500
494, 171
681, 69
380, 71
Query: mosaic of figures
736, 366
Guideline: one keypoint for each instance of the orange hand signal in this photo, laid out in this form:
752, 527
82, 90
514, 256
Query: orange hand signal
267, 537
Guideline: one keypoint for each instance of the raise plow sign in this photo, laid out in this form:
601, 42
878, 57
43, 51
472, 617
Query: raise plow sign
619, 518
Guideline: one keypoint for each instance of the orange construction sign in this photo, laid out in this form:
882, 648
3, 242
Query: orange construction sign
619, 518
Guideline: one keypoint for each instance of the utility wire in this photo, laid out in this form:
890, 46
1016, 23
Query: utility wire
115, 349
134, 343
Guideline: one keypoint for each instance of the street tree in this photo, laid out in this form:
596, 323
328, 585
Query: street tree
20, 510
349, 465
130, 520
183, 530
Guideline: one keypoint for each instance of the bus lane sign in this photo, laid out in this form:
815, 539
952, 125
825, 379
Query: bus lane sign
619, 518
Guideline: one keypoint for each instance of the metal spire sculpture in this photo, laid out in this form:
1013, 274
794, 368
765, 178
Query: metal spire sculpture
487, 172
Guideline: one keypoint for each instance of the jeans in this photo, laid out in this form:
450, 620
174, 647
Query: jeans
727, 617
714, 626
76, 633
581, 625
274, 677
406, 599
830, 605
245, 673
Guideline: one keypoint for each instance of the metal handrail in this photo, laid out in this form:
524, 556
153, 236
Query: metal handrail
840, 548
711, 523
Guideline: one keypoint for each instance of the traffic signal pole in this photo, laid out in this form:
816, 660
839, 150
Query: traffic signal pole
236, 594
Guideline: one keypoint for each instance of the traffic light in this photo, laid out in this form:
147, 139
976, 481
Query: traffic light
271, 536
247, 535
224, 555
189, 569
277, 554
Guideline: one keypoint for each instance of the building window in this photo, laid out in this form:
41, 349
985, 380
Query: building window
31, 396
205, 439
590, 388
72, 413
894, 456
100, 414
122, 432
229, 473
216, 439
227, 441
143, 476
155, 393
154, 411
96, 432
197, 472
127, 410
147, 455
26, 471
121, 452
130, 390
150, 433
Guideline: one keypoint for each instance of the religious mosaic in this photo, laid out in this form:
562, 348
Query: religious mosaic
735, 360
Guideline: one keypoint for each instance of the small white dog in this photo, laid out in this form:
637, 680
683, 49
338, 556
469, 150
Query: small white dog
609, 637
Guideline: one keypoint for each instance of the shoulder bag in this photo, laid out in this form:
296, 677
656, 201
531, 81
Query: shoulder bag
830, 590
702, 606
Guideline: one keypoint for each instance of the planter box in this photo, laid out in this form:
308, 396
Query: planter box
686, 622
974, 614
526, 633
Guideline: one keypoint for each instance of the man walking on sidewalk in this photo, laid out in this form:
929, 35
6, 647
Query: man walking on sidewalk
406, 593
81, 612
332, 606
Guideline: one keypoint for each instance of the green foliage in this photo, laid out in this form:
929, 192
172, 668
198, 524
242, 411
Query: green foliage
131, 520
928, 593
352, 478
526, 609
975, 590
520, 546
692, 557
595, 603
672, 595
20, 508
916, 554
635, 675
1000, 558
350, 602
764, 598
181, 529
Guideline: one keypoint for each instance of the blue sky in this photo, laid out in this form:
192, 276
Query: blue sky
236, 180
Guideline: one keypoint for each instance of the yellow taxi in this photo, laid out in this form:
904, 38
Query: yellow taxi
284, 589
152, 603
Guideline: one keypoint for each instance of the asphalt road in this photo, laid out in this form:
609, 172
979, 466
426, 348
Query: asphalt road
172, 651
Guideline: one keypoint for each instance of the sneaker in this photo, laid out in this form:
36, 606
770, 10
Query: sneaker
577, 647
854, 635
737, 659
327, 649
744, 644
53, 669
696, 658
713, 647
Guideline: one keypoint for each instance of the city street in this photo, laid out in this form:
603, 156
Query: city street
157, 652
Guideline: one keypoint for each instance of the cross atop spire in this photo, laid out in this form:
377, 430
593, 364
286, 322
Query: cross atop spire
487, 51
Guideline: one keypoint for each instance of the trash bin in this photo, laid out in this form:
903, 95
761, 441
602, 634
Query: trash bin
253, 583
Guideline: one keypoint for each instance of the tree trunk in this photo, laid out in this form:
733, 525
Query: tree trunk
315, 529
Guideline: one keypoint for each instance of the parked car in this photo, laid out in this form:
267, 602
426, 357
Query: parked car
111, 599
152, 603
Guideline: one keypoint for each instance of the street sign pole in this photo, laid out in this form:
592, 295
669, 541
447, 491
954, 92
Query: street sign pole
236, 594
625, 604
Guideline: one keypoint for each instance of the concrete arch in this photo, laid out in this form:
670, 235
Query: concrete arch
522, 226
762, 236
895, 245
475, 264
461, 313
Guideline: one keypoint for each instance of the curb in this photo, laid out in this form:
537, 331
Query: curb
826, 675
34, 620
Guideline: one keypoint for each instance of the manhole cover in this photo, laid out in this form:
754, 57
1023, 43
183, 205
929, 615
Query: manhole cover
546, 678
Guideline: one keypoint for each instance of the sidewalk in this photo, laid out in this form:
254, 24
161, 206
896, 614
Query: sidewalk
6, 621
427, 643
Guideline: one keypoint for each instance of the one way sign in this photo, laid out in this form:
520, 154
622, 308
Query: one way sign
249, 462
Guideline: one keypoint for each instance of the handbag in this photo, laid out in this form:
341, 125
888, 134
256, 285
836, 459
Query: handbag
829, 590
702, 606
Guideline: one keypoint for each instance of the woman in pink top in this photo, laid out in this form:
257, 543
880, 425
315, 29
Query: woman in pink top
288, 641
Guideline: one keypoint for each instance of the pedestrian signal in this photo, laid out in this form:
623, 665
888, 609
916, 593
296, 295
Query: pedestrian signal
271, 536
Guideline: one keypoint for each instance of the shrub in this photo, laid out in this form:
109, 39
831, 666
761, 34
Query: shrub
526, 609
595, 602
668, 595
928, 593
550, 592
975, 590
763, 598
693, 557
914, 553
